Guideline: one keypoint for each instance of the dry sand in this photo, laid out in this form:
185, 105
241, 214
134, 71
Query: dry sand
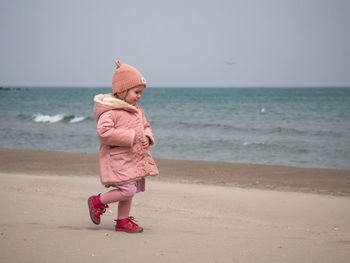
43, 198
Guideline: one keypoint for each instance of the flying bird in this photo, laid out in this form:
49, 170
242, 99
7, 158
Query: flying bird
230, 62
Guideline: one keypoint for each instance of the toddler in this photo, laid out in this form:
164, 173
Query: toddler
125, 137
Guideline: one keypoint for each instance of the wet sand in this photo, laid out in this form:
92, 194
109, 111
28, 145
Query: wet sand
312, 180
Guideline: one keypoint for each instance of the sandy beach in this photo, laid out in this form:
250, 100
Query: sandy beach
193, 212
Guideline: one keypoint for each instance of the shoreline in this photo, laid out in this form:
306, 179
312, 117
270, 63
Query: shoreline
258, 176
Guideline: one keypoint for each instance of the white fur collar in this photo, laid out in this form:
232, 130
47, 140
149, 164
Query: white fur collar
111, 101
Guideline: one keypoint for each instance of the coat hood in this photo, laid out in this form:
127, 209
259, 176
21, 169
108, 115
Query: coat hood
106, 102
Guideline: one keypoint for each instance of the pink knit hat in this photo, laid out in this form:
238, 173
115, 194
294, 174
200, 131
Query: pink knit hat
126, 77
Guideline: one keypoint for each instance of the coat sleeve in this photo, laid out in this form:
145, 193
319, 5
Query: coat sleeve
109, 135
148, 130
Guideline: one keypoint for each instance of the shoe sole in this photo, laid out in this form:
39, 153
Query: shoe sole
139, 231
96, 223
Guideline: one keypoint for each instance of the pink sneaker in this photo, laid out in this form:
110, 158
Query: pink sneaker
128, 225
96, 208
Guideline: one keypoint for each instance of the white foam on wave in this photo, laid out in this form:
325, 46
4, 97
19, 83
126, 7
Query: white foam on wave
47, 118
57, 118
77, 119
262, 110
246, 143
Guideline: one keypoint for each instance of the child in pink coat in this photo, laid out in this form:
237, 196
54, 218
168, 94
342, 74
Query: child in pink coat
125, 137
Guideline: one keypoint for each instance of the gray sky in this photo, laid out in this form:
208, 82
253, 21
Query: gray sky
176, 43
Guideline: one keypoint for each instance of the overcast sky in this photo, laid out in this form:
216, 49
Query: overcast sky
176, 43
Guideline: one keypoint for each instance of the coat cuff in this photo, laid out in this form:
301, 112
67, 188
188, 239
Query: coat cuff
152, 143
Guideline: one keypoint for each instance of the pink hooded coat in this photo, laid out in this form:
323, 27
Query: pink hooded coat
121, 127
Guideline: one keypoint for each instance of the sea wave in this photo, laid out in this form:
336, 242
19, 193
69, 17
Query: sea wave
44, 118
47, 118
77, 119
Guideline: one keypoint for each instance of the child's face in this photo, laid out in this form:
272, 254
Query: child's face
134, 95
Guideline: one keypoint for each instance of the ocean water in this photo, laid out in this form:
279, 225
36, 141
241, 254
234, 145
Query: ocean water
306, 127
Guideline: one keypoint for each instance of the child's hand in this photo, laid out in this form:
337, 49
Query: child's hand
145, 143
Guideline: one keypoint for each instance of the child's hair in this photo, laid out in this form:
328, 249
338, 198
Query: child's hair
126, 77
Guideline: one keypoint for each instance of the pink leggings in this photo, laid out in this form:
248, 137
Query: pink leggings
124, 202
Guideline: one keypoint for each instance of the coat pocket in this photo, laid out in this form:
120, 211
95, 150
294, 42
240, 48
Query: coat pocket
119, 150
120, 161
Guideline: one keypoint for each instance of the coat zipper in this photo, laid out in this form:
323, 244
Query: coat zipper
144, 137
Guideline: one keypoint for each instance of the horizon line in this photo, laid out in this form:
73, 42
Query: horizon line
184, 87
